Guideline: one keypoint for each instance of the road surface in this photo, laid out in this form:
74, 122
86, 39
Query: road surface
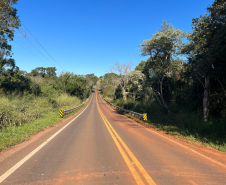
100, 146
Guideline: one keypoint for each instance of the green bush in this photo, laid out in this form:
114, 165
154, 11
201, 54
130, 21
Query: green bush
15, 111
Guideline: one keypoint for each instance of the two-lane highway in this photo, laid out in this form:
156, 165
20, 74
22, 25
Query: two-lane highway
100, 146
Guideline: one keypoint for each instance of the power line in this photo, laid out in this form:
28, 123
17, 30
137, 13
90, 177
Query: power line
30, 52
22, 34
37, 49
42, 46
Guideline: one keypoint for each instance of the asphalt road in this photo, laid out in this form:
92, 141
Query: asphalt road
100, 146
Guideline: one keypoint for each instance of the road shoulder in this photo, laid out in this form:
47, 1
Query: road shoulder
211, 154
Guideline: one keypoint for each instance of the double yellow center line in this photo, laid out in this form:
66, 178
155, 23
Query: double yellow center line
126, 154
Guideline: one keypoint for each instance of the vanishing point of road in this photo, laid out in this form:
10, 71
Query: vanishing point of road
98, 146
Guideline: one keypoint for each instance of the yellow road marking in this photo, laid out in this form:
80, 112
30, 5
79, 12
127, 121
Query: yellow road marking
130, 165
132, 169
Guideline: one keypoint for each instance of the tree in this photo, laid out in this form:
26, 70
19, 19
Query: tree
39, 71
64, 79
77, 85
8, 22
207, 50
109, 81
91, 79
8, 69
140, 66
163, 48
44, 72
122, 71
51, 71
136, 79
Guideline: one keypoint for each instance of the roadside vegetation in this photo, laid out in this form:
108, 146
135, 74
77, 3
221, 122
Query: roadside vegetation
26, 112
12, 135
30, 102
16, 110
182, 84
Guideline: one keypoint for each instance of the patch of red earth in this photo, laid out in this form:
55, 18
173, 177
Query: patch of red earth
84, 178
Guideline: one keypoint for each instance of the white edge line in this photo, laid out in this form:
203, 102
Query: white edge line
22, 161
188, 148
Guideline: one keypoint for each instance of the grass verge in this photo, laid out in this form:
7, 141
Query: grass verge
13, 135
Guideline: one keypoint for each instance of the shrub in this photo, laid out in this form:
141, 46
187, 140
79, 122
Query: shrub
15, 111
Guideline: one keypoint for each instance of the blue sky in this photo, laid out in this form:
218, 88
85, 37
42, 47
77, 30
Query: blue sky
86, 36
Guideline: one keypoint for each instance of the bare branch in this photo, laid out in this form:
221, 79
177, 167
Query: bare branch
200, 80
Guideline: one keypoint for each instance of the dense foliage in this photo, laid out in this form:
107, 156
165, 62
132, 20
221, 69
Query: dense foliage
196, 83
28, 96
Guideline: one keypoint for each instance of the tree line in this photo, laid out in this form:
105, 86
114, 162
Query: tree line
186, 70
40, 81
45, 82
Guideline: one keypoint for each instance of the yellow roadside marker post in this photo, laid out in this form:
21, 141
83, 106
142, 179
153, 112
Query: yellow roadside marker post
61, 113
145, 117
